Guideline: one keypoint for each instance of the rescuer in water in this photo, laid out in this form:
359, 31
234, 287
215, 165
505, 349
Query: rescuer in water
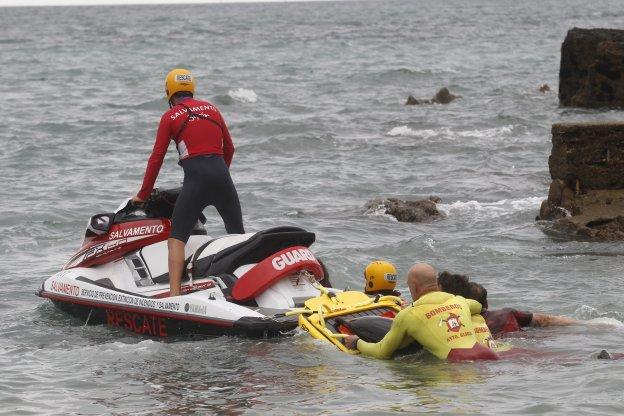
439, 321
206, 150
499, 320
380, 279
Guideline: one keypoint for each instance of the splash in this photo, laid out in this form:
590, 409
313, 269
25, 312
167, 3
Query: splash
380, 211
593, 315
491, 133
491, 209
425, 133
243, 95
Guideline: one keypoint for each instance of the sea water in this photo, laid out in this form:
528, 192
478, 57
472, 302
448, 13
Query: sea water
314, 97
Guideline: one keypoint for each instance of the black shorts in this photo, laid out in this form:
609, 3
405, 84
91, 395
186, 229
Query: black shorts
207, 181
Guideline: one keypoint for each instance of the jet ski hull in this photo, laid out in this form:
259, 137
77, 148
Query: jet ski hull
233, 284
168, 319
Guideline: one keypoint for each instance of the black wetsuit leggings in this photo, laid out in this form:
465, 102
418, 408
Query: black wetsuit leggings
207, 181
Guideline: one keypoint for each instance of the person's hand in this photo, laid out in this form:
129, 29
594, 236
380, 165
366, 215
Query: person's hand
138, 201
351, 342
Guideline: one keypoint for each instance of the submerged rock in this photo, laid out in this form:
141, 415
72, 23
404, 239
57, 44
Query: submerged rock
406, 211
544, 88
443, 96
592, 66
586, 195
411, 100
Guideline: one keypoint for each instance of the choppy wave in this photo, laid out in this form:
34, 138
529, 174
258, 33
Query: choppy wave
407, 74
589, 313
308, 156
607, 322
243, 95
495, 132
502, 131
406, 131
473, 209
500, 208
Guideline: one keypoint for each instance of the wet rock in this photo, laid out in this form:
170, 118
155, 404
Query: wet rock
604, 355
443, 96
406, 211
586, 195
544, 88
411, 100
592, 68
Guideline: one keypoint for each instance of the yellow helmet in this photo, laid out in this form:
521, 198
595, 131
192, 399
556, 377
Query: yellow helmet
380, 275
179, 80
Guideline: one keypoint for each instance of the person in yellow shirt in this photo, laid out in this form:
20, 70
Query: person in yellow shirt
439, 321
457, 284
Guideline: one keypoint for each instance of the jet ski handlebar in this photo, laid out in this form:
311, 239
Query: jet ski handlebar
160, 204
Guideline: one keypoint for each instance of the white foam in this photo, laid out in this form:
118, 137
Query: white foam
595, 317
115, 346
430, 243
491, 209
401, 131
243, 95
425, 133
380, 211
606, 321
492, 133
487, 133
586, 312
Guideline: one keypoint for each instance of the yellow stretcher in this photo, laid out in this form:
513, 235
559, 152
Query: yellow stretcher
318, 317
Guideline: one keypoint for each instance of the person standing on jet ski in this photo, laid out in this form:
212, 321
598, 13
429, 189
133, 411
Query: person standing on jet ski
206, 150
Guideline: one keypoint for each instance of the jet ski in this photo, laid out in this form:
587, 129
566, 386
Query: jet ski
333, 315
238, 283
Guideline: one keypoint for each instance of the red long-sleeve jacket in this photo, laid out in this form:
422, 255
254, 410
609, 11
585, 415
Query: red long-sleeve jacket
197, 137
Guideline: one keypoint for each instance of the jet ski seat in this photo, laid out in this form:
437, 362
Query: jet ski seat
257, 248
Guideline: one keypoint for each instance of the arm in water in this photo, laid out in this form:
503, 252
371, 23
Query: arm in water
543, 320
395, 339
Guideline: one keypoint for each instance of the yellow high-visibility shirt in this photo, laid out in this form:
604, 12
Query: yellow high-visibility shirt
439, 321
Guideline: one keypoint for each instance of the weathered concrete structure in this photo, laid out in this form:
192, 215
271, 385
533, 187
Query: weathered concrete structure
592, 68
586, 196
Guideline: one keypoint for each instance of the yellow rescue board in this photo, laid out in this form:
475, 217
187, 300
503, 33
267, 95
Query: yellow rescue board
321, 309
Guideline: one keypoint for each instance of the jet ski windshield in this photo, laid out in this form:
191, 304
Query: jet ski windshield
159, 205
